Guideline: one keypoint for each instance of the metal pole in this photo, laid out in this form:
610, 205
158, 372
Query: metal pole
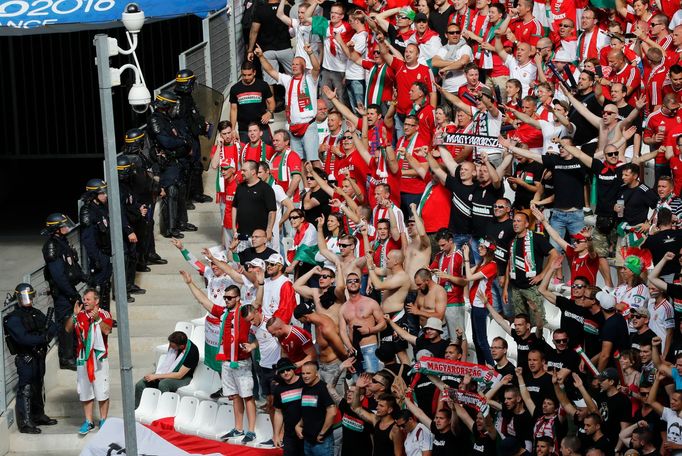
108, 133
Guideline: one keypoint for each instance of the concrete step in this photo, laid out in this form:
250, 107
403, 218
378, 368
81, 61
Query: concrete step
60, 438
63, 401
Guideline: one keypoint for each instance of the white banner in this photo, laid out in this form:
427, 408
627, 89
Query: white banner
110, 441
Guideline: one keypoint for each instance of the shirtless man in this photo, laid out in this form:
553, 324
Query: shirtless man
431, 298
418, 250
394, 289
347, 257
328, 298
362, 319
328, 341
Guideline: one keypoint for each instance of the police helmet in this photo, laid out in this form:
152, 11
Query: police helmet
135, 136
58, 220
123, 165
96, 186
24, 294
184, 81
166, 100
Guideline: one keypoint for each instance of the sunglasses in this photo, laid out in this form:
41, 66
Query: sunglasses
454, 32
325, 276
347, 138
295, 217
271, 264
499, 206
565, 25
343, 246
310, 178
410, 125
611, 154
402, 17
353, 281
229, 298
578, 286
401, 426
637, 317
560, 341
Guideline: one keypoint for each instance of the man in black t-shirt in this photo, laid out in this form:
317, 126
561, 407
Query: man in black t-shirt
525, 271
274, 40
515, 420
614, 406
636, 198
287, 404
522, 335
488, 190
439, 18
609, 177
251, 100
572, 310
594, 437
315, 201
259, 249
640, 322
462, 188
527, 176
613, 334
317, 413
254, 205
665, 239
584, 130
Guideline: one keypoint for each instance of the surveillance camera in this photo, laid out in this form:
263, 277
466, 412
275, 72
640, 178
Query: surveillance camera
133, 18
139, 98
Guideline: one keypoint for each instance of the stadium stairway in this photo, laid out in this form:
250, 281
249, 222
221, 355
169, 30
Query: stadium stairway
152, 318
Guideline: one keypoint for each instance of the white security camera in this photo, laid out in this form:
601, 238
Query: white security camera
133, 18
139, 98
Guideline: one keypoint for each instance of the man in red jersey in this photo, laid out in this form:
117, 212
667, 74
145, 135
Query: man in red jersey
256, 149
663, 119
285, 165
526, 28
297, 343
624, 73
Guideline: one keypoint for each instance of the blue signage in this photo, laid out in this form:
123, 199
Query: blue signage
25, 16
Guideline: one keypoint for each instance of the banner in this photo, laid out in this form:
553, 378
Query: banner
440, 366
160, 439
462, 139
22, 16
466, 398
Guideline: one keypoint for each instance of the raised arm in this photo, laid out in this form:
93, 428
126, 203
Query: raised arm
525, 118
424, 241
525, 395
199, 295
544, 283
504, 324
577, 153
537, 213
265, 65
504, 142
660, 364
339, 106
651, 399
300, 286
281, 15
654, 275
435, 168
403, 334
592, 118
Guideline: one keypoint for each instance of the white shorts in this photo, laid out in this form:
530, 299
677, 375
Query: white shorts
99, 389
237, 381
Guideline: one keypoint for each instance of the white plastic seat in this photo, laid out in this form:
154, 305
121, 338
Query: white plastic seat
203, 383
547, 335
512, 352
167, 406
263, 427
148, 403
198, 338
184, 326
160, 361
495, 330
186, 413
204, 417
223, 423
201, 321
552, 315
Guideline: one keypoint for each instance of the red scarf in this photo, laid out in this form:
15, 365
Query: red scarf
592, 52
428, 34
330, 159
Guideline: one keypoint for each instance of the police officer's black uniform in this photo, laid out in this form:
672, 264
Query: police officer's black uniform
28, 332
195, 125
63, 273
144, 184
132, 220
170, 145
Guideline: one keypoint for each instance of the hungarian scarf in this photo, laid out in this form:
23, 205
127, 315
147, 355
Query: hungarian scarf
466, 398
263, 154
425, 197
528, 261
440, 366
375, 84
93, 346
283, 171
330, 157
591, 51
230, 346
305, 103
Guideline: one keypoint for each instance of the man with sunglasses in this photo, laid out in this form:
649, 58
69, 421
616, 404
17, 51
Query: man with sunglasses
237, 378
643, 335
279, 297
452, 59
563, 359
360, 323
287, 403
315, 202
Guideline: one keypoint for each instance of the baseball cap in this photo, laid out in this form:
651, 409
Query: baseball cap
641, 311
434, 323
284, 364
580, 237
562, 56
420, 17
256, 263
275, 258
218, 252
606, 300
610, 373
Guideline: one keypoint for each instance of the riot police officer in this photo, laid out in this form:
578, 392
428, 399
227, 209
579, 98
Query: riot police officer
195, 125
133, 215
63, 273
170, 146
96, 237
28, 332
144, 184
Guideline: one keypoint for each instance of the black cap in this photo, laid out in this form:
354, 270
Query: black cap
610, 373
302, 310
283, 364
420, 17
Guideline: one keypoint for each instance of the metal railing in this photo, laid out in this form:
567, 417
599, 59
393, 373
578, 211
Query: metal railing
43, 300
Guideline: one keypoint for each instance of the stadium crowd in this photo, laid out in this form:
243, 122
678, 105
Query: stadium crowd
448, 248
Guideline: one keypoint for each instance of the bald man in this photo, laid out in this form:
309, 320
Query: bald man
624, 73
520, 65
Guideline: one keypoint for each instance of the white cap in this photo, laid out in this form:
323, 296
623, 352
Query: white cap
606, 300
218, 252
275, 258
256, 262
